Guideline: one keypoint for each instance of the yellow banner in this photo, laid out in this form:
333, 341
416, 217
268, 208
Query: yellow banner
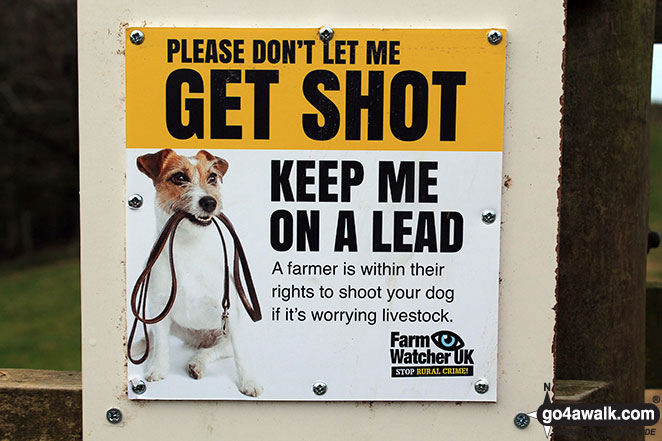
364, 89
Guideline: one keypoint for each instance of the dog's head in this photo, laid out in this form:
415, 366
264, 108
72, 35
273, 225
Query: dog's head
188, 184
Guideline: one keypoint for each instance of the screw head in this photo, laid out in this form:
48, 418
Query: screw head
325, 33
494, 37
138, 386
521, 420
488, 216
137, 37
114, 415
481, 386
135, 201
319, 387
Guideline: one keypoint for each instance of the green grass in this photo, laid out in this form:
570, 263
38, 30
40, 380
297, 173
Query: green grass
654, 267
40, 311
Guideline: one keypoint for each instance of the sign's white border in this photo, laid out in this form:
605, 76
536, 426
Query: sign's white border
529, 224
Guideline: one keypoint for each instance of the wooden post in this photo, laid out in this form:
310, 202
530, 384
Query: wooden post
658, 22
604, 197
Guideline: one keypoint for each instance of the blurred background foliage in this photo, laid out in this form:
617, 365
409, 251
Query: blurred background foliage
39, 266
38, 126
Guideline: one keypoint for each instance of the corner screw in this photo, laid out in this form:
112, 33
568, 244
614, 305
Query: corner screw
481, 386
319, 387
488, 216
138, 386
326, 33
494, 37
135, 201
114, 415
522, 420
137, 37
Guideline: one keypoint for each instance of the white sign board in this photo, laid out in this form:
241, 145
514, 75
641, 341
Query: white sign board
368, 211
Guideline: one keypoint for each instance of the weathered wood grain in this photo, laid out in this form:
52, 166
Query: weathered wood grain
604, 197
40, 405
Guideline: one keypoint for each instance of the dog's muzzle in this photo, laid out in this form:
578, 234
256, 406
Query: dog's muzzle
208, 205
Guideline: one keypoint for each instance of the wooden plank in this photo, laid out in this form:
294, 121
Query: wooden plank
580, 391
40, 405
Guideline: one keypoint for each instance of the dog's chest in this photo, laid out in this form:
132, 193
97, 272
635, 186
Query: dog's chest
199, 268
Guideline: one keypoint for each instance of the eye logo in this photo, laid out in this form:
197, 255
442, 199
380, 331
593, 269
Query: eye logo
447, 340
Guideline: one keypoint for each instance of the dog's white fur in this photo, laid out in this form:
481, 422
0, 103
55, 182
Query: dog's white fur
197, 310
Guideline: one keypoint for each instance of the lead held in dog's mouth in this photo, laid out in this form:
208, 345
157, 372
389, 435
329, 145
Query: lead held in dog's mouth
208, 204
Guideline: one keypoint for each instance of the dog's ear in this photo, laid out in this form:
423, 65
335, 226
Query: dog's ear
152, 163
220, 164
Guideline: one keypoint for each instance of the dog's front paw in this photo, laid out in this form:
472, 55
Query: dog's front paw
250, 388
196, 370
155, 375
156, 372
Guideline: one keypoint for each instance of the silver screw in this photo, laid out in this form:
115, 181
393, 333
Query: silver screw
138, 386
522, 420
319, 387
494, 37
481, 386
137, 37
135, 201
114, 415
488, 216
326, 33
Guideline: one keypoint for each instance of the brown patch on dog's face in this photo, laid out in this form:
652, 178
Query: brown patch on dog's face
189, 184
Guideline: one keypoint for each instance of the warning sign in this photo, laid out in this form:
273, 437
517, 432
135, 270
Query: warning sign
316, 214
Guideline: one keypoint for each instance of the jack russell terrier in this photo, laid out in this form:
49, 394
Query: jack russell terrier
191, 185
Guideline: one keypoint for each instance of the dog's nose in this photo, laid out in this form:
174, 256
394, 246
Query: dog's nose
208, 204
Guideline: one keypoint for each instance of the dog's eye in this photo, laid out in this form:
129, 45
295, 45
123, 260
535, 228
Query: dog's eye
179, 178
212, 179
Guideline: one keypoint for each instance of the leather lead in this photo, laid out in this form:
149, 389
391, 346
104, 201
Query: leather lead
140, 289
